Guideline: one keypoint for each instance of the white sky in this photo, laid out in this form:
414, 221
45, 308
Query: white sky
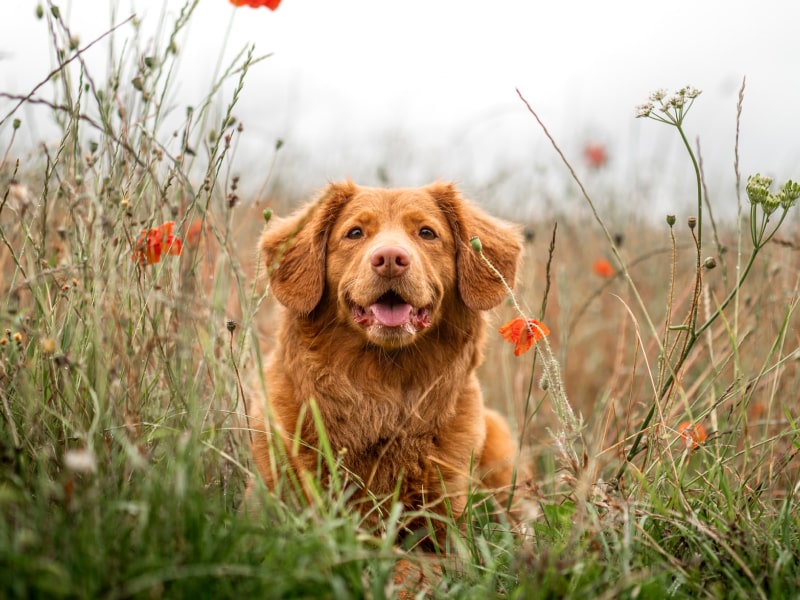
425, 88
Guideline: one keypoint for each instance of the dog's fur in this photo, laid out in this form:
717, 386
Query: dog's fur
383, 329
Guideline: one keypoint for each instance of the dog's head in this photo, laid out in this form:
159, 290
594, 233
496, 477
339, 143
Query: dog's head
393, 261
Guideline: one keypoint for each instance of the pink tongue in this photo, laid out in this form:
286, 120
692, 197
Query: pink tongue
391, 315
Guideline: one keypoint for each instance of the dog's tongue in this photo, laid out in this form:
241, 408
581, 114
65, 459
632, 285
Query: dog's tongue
391, 315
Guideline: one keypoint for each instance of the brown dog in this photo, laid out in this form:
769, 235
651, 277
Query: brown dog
383, 330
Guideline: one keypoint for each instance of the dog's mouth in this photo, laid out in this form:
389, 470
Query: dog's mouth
392, 310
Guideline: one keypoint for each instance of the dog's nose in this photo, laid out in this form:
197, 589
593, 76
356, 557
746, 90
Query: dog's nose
390, 261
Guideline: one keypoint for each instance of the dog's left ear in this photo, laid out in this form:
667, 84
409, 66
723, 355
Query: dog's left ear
293, 249
480, 288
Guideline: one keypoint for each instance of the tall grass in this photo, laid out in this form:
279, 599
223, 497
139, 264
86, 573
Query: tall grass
124, 459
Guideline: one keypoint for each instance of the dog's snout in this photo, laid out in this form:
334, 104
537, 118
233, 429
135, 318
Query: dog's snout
390, 261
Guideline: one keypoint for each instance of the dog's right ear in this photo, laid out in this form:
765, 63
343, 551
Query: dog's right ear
293, 249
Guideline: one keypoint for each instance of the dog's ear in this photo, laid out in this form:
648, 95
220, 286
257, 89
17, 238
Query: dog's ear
294, 249
479, 286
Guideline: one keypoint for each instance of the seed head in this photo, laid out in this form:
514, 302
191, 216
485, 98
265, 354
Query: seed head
692, 222
475, 242
670, 220
48, 345
230, 325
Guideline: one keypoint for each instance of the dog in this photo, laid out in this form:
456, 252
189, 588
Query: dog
382, 329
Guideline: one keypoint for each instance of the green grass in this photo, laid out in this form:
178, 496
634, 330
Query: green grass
123, 457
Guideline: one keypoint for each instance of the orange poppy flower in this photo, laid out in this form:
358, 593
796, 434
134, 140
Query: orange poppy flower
595, 155
523, 333
603, 268
155, 243
692, 435
270, 4
195, 233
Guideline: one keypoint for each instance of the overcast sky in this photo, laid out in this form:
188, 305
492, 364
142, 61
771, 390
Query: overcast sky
426, 88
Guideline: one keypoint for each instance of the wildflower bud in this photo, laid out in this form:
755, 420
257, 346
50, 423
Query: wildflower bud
770, 203
710, 263
267, 215
149, 61
670, 220
278, 144
74, 42
230, 325
16, 123
475, 242
544, 383
692, 222
790, 192
39, 11
137, 83
55, 12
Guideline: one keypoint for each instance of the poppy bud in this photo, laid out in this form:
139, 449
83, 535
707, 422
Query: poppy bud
475, 242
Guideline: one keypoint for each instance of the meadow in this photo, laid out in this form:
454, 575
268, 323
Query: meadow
659, 417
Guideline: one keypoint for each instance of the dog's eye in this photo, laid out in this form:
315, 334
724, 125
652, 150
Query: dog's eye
356, 233
426, 233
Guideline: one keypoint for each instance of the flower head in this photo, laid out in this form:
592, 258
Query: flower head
270, 4
758, 188
155, 243
692, 435
603, 268
671, 109
595, 155
644, 110
195, 232
789, 194
523, 333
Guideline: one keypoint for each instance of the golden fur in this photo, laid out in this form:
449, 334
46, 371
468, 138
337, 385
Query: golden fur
383, 328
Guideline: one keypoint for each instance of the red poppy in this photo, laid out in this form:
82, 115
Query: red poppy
595, 155
603, 268
270, 4
155, 243
194, 233
692, 435
523, 333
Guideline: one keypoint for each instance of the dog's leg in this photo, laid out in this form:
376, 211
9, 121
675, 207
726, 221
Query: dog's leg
496, 466
496, 469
